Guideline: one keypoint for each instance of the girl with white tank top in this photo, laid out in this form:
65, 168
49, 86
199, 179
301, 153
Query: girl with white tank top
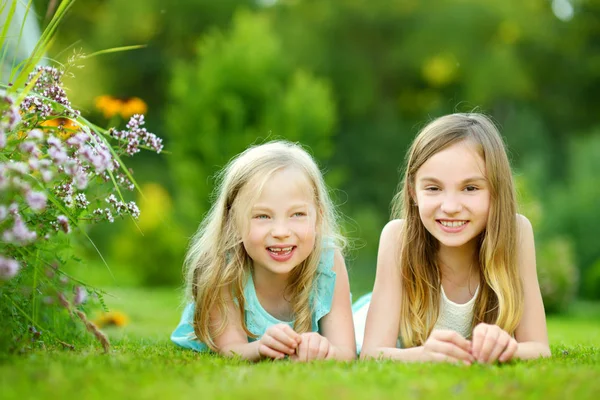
455, 223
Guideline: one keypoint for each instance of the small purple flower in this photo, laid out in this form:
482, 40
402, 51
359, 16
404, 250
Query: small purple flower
63, 223
2, 140
8, 268
19, 234
58, 154
35, 135
80, 295
19, 167
46, 175
36, 200
9, 116
31, 148
133, 209
81, 201
3, 177
3, 212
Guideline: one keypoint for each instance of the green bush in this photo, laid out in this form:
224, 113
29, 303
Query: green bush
591, 282
240, 90
154, 247
558, 274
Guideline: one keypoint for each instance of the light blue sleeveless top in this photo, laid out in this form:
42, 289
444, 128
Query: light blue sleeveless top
258, 320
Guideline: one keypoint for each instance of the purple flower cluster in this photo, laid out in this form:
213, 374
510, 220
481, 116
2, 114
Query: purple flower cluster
9, 117
47, 86
8, 268
136, 136
18, 234
46, 171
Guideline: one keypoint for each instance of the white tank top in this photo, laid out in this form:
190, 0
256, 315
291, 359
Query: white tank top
456, 317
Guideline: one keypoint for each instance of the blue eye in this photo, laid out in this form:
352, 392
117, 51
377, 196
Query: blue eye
299, 214
261, 216
471, 188
432, 188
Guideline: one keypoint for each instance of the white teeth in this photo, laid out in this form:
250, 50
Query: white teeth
453, 224
280, 249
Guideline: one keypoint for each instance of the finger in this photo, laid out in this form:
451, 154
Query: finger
440, 357
488, 344
499, 348
331, 353
510, 351
303, 349
323, 349
313, 348
456, 339
479, 334
272, 342
268, 352
285, 335
292, 334
452, 351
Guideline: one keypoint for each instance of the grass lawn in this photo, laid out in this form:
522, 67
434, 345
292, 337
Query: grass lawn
144, 364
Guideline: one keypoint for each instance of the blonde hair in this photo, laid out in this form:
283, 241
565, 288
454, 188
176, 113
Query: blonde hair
500, 296
217, 264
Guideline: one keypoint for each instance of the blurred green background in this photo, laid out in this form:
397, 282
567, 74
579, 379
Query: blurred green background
353, 80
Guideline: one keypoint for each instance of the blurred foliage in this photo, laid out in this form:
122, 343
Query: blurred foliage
558, 274
355, 80
153, 248
591, 281
240, 90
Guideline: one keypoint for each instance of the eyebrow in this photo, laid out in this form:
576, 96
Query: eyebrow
292, 207
470, 179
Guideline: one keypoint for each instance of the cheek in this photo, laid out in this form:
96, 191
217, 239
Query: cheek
306, 229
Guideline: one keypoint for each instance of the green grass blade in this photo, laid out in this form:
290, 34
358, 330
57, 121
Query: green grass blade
115, 50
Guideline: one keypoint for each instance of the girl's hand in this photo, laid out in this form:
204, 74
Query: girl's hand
313, 347
491, 343
278, 341
447, 346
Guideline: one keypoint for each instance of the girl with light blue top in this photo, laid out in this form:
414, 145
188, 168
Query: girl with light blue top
265, 275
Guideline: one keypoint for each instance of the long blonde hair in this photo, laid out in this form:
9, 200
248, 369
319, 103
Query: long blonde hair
217, 265
500, 296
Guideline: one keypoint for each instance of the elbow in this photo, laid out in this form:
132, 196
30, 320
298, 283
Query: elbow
367, 353
546, 352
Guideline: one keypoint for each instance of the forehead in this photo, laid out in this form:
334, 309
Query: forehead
281, 187
456, 162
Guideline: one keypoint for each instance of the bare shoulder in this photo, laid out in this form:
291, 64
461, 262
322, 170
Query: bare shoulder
339, 263
391, 231
389, 245
523, 222
525, 244
524, 227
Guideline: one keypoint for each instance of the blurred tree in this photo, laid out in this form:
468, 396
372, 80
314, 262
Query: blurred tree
240, 90
388, 67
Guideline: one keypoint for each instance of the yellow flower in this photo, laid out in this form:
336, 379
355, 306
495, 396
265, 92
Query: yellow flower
115, 318
132, 106
111, 106
65, 127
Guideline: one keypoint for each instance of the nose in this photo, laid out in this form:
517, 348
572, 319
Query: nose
451, 204
280, 229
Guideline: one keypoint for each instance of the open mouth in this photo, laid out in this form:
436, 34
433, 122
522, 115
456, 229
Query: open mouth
452, 224
281, 251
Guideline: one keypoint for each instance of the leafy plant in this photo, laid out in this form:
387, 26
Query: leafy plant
58, 173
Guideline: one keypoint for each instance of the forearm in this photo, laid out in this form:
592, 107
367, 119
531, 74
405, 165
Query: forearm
531, 350
343, 353
246, 351
412, 354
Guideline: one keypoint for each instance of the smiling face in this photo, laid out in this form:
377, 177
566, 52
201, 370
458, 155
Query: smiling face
281, 232
452, 193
